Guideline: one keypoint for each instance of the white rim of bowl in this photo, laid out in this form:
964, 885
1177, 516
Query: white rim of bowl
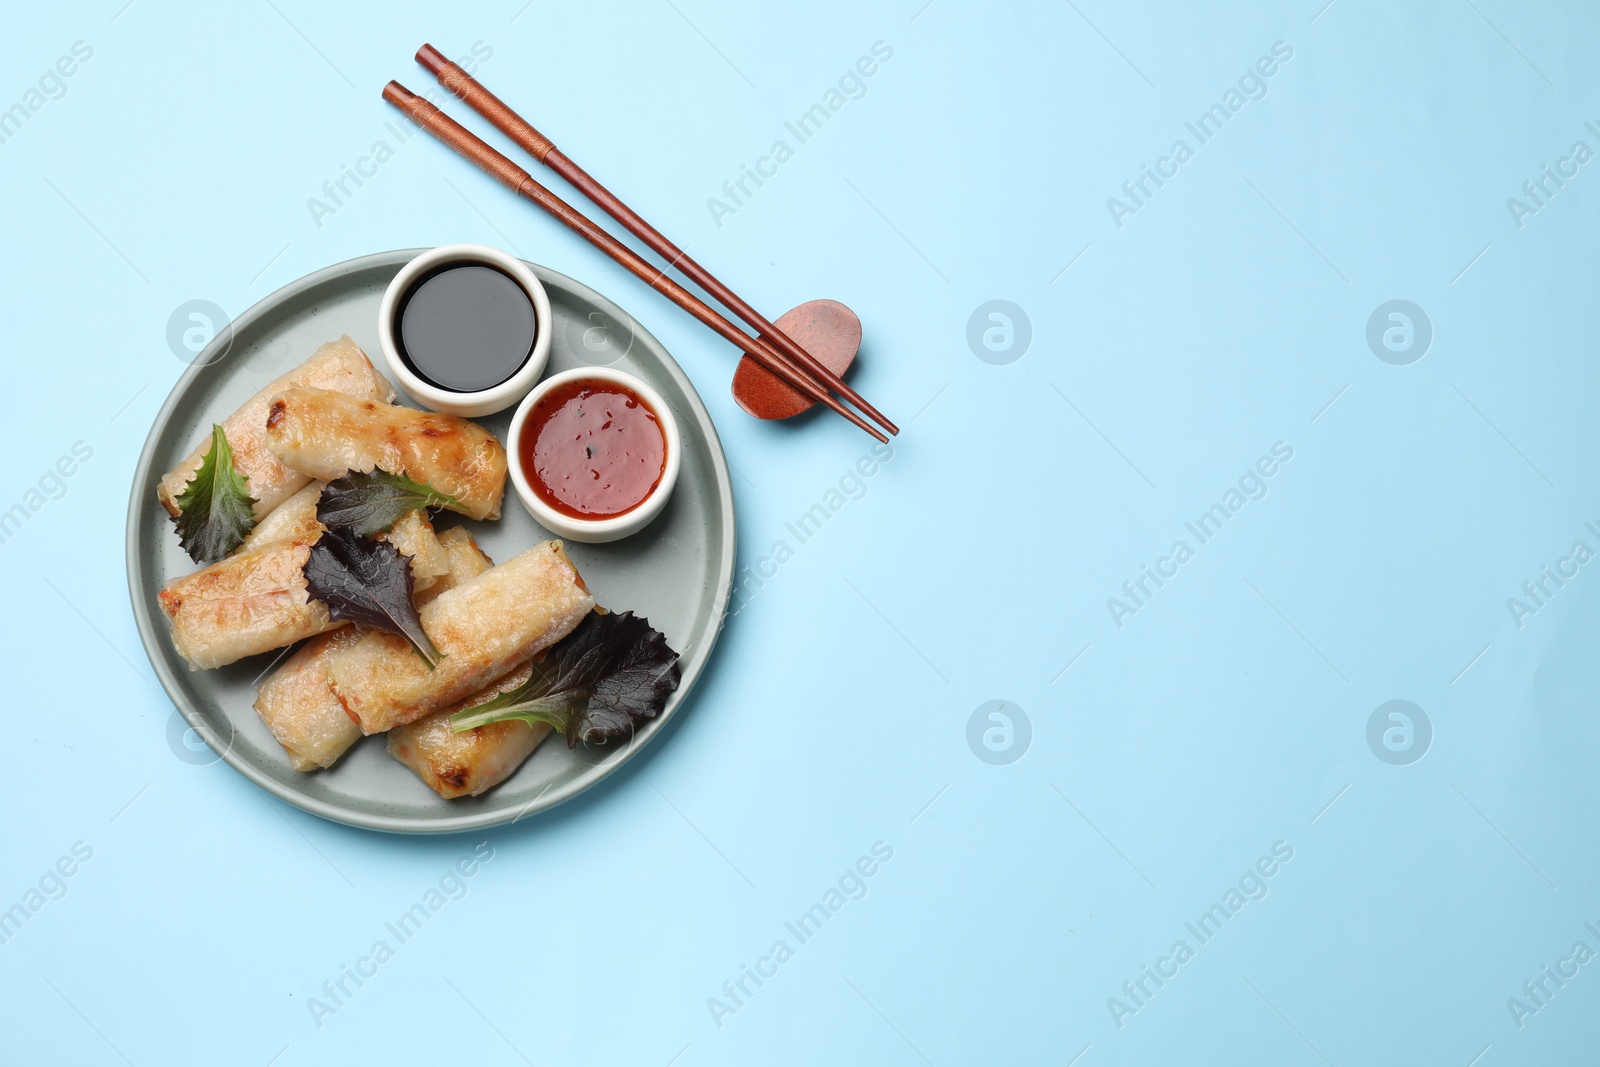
507, 392
629, 521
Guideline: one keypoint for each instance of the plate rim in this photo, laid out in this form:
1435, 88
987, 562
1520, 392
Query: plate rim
447, 824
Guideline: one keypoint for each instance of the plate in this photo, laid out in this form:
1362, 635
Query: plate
677, 572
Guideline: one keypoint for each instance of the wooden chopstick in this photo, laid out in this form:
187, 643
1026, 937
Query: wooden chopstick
536, 144
513, 177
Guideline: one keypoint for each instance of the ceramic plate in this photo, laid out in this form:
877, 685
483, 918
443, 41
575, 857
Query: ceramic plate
677, 572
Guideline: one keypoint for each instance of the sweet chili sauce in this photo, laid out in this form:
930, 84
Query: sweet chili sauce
592, 449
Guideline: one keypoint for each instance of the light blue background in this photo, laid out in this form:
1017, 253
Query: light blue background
1228, 714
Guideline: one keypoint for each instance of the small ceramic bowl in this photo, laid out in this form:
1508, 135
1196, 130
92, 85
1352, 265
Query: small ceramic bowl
616, 527
451, 402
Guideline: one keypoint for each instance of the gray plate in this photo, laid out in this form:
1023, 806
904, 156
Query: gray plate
677, 572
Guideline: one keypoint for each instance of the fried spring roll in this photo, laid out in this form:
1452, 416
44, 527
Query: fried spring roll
484, 628
470, 763
246, 604
256, 600
293, 520
299, 707
339, 367
323, 434
413, 535
464, 561
298, 704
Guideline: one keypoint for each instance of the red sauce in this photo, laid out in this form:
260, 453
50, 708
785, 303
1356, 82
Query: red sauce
592, 449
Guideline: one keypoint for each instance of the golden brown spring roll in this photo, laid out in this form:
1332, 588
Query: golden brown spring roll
464, 561
484, 628
339, 366
293, 520
323, 434
297, 702
473, 762
299, 707
246, 604
413, 535
256, 600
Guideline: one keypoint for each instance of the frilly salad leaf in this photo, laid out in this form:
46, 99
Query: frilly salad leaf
368, 583
215, 509
370, 503
596, 684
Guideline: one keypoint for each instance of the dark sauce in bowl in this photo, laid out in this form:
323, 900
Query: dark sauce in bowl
592, 449
465, 327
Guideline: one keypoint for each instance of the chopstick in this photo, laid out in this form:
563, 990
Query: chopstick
536, 144
513, 177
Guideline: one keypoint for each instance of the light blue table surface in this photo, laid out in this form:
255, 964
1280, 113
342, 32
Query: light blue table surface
1434, 890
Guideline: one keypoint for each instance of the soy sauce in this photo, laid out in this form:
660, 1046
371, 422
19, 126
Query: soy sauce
466, 327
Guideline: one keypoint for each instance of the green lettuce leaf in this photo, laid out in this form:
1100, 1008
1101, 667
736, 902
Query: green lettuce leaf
598, 683
215, 509
368, 583
371, 503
